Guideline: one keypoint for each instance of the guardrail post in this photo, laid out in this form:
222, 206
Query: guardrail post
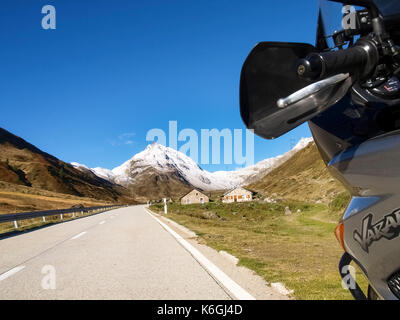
73, 214
44, 219
61, 216
81, 212
15, 224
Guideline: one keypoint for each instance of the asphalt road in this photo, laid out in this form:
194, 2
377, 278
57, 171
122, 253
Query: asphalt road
120, 254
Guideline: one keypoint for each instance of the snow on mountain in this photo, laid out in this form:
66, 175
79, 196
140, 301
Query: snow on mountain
79, 166
247, 175
104, 173
164, 160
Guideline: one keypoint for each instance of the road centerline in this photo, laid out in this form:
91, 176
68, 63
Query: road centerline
78, 235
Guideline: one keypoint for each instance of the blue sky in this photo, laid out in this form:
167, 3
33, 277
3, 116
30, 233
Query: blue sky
112, 70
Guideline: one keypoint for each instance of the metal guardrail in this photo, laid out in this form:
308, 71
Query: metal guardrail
14, 217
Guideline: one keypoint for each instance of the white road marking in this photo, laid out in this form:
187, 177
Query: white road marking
102, 222
9, 273
78, 235
237, 291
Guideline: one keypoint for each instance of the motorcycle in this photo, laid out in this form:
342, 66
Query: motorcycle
347, 87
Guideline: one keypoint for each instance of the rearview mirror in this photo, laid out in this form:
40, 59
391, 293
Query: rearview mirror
269, 75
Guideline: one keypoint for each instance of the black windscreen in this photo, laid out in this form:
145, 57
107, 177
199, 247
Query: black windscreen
388, 7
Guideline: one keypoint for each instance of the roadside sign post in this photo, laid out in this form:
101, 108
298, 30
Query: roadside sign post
165, 205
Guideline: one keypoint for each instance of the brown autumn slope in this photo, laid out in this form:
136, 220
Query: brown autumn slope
18, 198
303, 177
24, 164
151, 184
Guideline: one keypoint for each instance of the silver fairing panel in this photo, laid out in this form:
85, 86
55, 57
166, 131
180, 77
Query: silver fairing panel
372, 220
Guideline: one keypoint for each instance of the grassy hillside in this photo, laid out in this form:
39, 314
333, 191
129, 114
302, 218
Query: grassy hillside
17, 198
299, 249
24, 164
303, 177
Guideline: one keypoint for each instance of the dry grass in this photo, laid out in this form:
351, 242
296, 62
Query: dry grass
298, 249
15, 198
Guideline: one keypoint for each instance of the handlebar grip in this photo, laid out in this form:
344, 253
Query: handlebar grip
360, 59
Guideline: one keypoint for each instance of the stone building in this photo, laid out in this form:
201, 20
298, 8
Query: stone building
237, 195
194, 196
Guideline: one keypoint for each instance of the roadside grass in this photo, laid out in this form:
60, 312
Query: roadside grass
28, 224
299, 249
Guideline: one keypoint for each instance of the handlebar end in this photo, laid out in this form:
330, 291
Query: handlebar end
310, 68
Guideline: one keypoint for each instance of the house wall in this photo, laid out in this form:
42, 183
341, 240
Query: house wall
237, 195
194, 197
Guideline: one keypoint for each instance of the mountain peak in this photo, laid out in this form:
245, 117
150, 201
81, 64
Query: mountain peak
168, 161
154, 145
303, 142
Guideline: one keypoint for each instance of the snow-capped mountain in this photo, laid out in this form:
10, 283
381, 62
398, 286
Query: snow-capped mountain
160, 162
247, 175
